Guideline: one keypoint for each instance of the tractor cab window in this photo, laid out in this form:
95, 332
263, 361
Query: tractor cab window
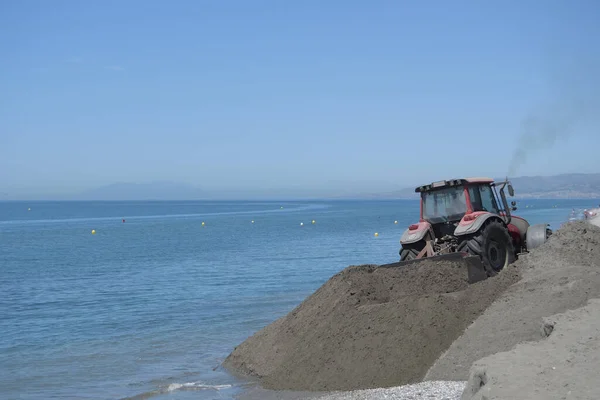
443, 205
482, 198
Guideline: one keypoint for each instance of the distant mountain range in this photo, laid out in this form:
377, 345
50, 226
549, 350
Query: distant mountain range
549, 187
162, 190
584, 186
558, 186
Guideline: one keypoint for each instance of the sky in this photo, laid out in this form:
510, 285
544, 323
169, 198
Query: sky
320, 97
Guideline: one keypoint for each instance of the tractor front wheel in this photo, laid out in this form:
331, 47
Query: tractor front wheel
493, 244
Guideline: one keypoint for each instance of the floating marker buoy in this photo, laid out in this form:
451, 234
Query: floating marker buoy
301, 223
313, 222
29, 209
123, 220
376, 234
93, 231
252, 221
395, 222
281, 207
202, 223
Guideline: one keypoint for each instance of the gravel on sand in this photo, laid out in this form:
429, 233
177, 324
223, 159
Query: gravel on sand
368, 327
561, 275
419, 391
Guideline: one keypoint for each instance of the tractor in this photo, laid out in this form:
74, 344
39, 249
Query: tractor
472, 217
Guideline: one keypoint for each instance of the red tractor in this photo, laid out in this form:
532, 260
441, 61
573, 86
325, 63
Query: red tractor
472, 217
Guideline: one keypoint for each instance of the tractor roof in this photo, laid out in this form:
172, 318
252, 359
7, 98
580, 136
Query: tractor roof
452, 182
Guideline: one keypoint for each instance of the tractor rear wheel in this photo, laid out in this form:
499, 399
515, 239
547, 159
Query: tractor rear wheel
408, 253
493, 244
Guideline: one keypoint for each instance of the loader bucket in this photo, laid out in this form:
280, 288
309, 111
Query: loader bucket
473, 265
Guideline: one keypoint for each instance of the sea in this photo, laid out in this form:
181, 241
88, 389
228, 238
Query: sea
145, 299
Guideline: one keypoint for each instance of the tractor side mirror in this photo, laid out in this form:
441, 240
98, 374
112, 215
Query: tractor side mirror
511, 191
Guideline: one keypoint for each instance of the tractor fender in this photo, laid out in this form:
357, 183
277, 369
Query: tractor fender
471, 223
520, 225
417, 232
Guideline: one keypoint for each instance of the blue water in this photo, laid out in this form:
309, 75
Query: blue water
151, 306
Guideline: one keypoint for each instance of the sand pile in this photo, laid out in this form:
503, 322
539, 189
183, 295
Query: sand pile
561, 275
368, 327
563, 365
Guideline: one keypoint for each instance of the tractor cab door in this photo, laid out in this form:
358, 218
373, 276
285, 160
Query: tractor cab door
483, 198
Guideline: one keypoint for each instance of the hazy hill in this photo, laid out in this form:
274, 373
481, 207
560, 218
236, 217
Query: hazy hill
558, 186
549, 187
143, 191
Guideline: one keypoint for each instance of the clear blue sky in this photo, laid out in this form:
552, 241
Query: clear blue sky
320, 96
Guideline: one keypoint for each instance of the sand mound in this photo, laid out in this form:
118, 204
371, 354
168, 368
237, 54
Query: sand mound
575, 243
563, 365
368, 327
561, 275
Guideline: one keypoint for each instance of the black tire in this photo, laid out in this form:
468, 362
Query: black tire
408, 253
411, 251
493, 244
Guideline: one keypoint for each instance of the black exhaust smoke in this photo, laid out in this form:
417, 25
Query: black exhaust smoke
576, 103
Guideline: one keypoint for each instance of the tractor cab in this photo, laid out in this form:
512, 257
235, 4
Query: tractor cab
449, 201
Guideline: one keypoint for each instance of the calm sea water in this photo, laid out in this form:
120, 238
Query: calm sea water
149, 307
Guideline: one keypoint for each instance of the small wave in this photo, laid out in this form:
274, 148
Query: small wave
173, 387
194, 386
